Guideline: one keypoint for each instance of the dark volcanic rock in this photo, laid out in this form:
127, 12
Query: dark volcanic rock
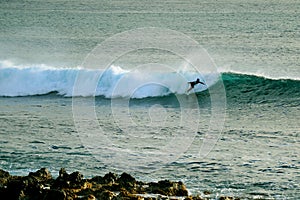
40, 185
55, 195
105, 195
168, 188
4, 176
4, 179
30, 186
125, 195
65, 180
194, 198
109, 178
126, 178
127, 182
15, 188
76, 178
42, 175
90, 197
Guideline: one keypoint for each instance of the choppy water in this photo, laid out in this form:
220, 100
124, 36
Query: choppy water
159, 133
256, 154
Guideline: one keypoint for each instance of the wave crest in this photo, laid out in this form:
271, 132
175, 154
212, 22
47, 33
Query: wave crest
111, 83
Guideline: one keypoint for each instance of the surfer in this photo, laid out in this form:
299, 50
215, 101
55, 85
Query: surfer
193, 83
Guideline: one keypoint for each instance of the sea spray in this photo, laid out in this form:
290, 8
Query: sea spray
40, 80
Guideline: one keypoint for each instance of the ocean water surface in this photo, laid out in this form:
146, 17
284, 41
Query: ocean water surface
157, 131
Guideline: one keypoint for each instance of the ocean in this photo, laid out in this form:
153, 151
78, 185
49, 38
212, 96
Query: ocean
99, 86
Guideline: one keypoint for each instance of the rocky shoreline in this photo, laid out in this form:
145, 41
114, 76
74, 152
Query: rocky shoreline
40, 185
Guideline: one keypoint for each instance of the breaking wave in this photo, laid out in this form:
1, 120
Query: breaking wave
118, 82
113, 82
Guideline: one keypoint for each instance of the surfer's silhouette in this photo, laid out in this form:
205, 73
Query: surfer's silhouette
193, 83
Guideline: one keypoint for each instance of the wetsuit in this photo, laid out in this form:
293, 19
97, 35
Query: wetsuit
193, 83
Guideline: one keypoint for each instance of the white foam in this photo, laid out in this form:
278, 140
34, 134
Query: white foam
111, 83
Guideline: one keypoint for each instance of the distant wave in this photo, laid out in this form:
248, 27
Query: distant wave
40, 80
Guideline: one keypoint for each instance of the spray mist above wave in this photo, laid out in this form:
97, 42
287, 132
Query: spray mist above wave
42, 79
35, 80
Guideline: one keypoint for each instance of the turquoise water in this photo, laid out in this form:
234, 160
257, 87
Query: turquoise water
156, 132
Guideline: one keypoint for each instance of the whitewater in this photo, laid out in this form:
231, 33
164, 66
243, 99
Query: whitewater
42, 79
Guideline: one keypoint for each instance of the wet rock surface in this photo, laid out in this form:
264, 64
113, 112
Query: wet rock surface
40, 185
